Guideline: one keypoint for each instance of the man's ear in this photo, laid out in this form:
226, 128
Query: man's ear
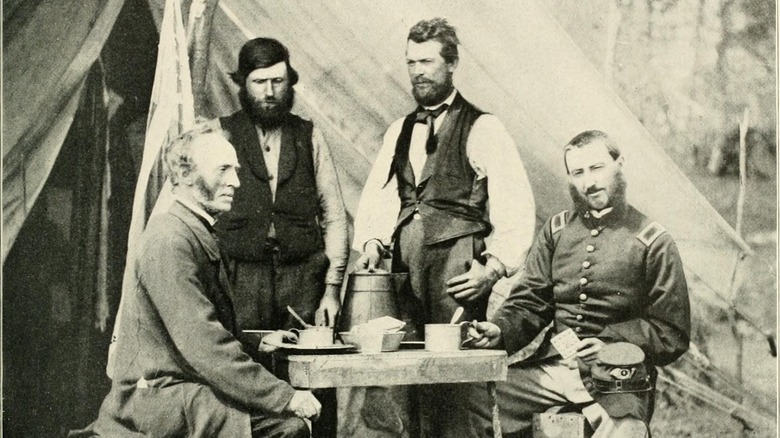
186, 177
451, 66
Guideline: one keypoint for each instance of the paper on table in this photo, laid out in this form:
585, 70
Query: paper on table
385, 324
566, 343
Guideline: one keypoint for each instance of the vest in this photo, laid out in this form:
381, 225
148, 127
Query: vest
450, 200
294, 213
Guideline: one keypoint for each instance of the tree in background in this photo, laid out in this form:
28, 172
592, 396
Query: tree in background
686, 69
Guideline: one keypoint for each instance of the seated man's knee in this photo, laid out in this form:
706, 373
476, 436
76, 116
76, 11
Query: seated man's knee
294, 427
630, 428
280, 427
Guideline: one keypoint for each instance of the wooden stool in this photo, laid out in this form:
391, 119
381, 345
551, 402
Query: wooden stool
555, 425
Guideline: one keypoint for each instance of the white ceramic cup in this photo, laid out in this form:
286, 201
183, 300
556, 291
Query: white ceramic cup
443, 337
318, 336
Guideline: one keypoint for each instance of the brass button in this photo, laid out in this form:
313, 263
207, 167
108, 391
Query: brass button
577, 329
417, 216
583, 281
579, 317
590, 248
583, 297
594, 233
586, 264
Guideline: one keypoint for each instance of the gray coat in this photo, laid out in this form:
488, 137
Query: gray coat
181, 369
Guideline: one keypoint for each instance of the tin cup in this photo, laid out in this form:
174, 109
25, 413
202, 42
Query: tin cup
444, 337
317, 336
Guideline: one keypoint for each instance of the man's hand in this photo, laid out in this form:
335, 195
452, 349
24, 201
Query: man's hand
371, 258
474, 284
304, 405
588, 350
271, 341
485, 335
329, 306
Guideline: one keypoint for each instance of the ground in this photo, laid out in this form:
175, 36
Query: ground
680, 414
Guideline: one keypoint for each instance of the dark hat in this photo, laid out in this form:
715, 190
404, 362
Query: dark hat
619, 381
262, 53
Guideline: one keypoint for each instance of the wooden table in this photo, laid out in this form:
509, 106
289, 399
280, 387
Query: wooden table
405, 367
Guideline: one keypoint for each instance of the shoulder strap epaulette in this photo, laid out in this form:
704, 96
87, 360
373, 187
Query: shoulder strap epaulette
650, 233
558, 222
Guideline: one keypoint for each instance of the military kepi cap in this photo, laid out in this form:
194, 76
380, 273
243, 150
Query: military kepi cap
262, 53
619, 380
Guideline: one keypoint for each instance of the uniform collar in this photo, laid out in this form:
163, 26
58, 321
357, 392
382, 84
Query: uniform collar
598, 214
607, 216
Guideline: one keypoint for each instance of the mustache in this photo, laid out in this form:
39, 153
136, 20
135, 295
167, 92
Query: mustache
419, 81
593, 190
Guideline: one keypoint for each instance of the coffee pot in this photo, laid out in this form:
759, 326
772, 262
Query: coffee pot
370, 294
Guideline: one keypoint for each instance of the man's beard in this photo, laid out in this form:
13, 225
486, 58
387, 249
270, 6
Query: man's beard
616, 190
206, 195
437, 94
267, 118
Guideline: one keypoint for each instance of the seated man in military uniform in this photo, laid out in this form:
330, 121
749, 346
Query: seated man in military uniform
615, 279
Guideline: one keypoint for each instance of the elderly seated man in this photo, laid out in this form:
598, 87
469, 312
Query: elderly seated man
181, 367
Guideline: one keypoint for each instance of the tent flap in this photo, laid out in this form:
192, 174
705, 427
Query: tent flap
41, 94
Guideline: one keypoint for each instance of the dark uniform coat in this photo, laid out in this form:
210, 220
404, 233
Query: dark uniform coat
180, 369
617, 278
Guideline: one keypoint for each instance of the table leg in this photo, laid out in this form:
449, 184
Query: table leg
491, 387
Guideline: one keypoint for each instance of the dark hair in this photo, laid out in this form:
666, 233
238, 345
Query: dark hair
437, 29
262, 53
585, 138
178, 152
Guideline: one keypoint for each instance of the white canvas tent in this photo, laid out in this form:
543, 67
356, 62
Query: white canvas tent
516, 62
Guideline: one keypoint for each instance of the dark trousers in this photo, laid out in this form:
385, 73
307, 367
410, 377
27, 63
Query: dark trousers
263, 290
426, 300
261, 293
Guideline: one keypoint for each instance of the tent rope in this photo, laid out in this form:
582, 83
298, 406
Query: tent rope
719, 401
741, 316
703, 363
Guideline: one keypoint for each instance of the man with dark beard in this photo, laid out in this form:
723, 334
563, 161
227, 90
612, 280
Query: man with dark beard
286, 235
614, 277
287, 232
427, 198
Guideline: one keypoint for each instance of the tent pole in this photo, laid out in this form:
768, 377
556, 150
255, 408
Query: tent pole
739, 339
201, 16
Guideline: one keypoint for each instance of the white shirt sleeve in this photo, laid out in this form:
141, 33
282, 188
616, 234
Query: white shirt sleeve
493, 154
379, 203
333, 215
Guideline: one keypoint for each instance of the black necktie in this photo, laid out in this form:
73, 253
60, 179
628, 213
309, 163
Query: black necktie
428, 117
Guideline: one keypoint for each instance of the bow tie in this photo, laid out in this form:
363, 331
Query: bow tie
428, 117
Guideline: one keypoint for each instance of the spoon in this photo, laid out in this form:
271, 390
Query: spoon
292, 312
456, 316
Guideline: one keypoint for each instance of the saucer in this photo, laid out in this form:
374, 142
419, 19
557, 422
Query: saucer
321, 349
412, 345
